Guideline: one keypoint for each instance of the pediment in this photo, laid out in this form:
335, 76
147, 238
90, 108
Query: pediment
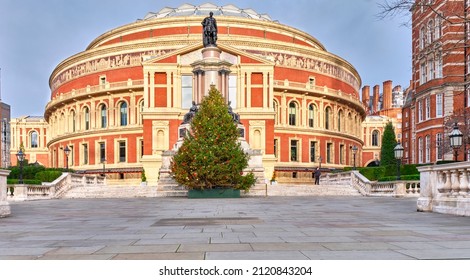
190, 54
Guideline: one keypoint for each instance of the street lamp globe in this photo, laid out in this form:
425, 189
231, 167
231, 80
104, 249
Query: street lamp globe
398, 151
455, 138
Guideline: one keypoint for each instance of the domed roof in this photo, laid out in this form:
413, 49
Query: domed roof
204, 10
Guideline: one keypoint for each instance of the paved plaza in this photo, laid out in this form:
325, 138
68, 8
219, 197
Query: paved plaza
281, 228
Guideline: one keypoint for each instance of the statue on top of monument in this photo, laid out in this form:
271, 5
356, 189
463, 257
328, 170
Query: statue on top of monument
209, 35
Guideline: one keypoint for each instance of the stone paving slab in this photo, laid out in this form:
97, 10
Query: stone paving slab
282, 228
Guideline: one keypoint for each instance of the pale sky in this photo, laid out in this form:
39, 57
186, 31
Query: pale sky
36, 35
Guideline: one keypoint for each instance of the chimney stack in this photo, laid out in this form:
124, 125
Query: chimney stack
387, 95
375, 99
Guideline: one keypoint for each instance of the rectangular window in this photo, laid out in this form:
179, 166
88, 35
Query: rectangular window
141, 148
439, 105
71, 156
420, 150
294, 150
439, 146
313, 154
329, 151
431, 70
428, 108
438, 62
102, 82
428, 148
232, 90
186, 91
341, 154
276, 147
102, 152
423, 73
122, 151
420, 111
85, 153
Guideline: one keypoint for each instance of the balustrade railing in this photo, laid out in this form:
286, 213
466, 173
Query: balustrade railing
446, 188
54, 189
369, 188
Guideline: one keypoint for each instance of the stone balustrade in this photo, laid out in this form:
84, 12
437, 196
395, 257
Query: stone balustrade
369, 188
54, 189
445, 188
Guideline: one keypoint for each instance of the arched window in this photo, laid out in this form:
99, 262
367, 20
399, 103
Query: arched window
375, 138
86, 115
34, 139
340, 119
74, 120
276, 110
311, 115
141, 110
123, 113
327, 117
103, 116
292, 113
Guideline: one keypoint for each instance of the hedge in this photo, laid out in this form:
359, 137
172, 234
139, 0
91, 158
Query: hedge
48, 175
414, 177
26, 182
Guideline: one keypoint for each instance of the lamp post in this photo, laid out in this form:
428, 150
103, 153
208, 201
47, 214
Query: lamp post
67, 153
354, 151
398, 150
455, 138
20, 156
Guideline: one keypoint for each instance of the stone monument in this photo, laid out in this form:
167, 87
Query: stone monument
4, 206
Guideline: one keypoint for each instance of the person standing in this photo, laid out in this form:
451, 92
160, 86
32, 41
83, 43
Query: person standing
317, 175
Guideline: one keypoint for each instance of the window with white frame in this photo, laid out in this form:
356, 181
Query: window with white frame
422, 37
329, 152
375, 138
327, 117
423, 73
34, 139
122, 151
294, 150
430, 32
439, 105
431, 71
123, 113
428, 107
439, 150
86, 112
103, 115
428, 148
420, 111
420, 150
437, 28
85, 153
311, 115
292, 113
438, 62
313, 151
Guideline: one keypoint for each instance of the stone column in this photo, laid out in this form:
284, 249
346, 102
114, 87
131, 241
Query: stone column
4, 206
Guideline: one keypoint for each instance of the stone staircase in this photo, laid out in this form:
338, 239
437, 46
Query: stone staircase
312, 190
111, 192
173, 190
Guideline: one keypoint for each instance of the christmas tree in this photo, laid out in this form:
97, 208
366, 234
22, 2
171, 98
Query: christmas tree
211, 156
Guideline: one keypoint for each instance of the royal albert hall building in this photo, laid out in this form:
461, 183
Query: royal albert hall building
118, 105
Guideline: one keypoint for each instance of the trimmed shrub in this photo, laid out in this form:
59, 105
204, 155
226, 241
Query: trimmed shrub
48, 175
26, 182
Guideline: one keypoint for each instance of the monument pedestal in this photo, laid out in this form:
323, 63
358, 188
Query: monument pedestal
4, 206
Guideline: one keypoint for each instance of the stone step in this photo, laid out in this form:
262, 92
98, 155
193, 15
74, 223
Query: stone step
179, 191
